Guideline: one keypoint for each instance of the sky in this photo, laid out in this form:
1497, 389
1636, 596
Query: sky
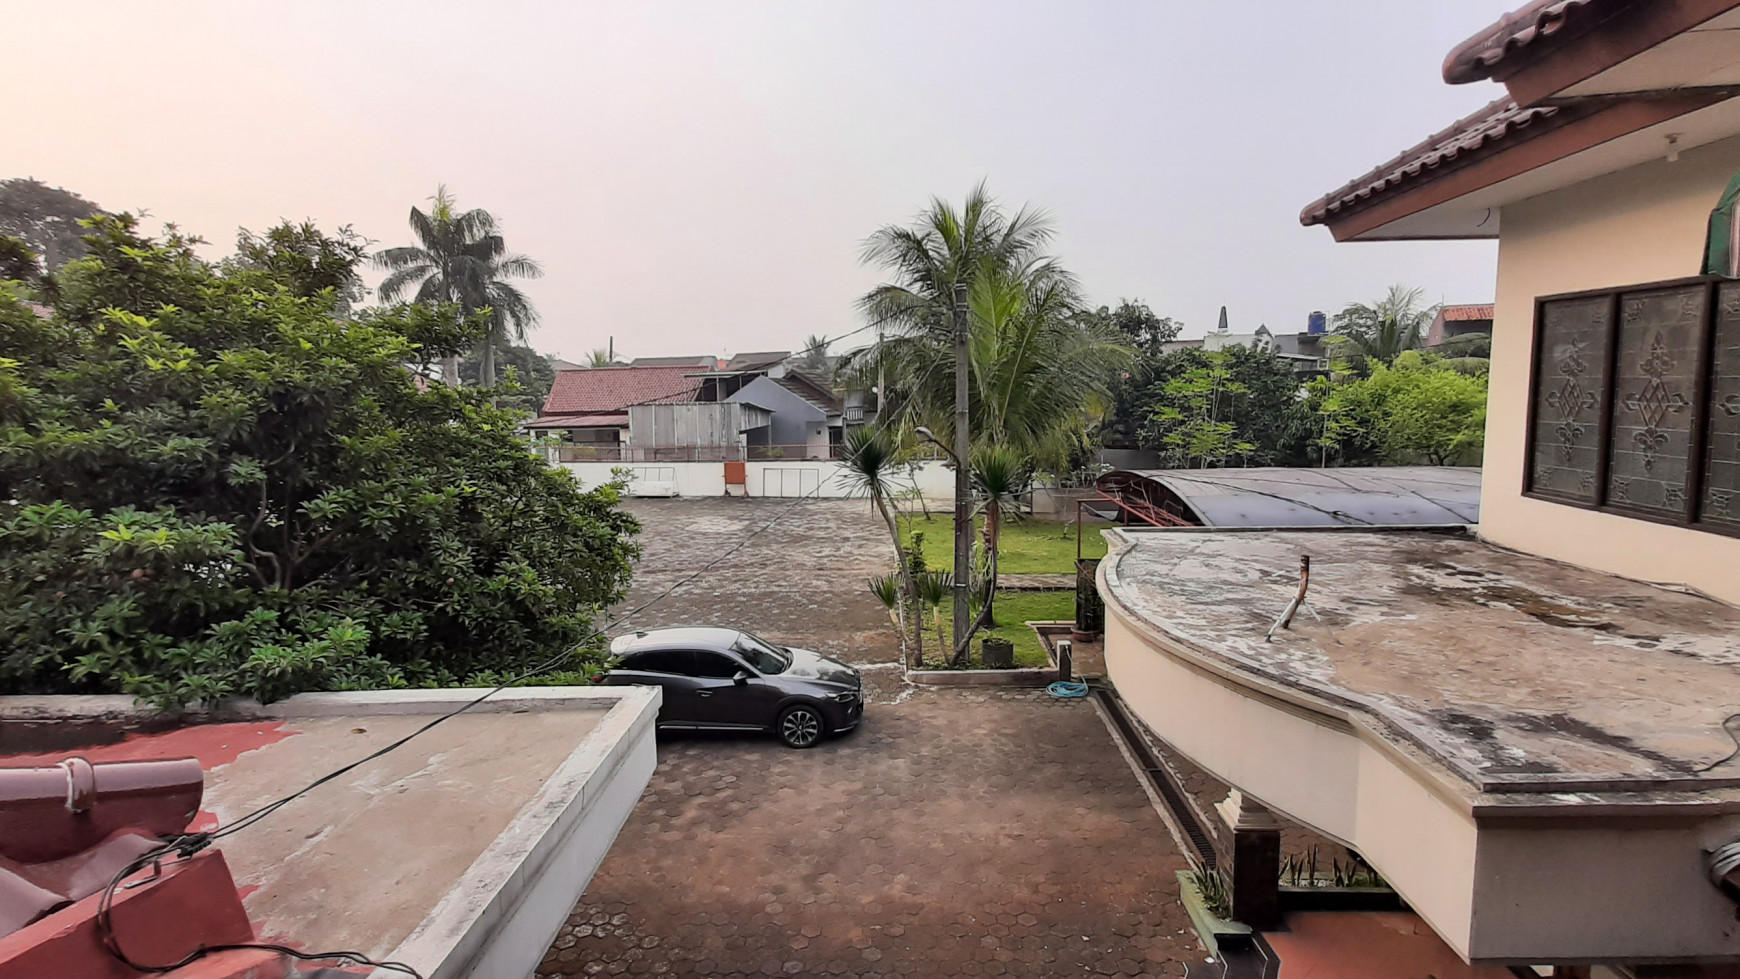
698, 177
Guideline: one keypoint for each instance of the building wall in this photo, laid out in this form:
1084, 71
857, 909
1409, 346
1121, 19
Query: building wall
788, 479
1640, 225
794, 419
704, 424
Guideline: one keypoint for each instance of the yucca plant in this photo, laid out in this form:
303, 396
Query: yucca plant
1000, 474
869, 463
933, 588
886, 588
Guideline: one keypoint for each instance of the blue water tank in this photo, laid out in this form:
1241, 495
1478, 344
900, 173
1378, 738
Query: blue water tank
1317, 322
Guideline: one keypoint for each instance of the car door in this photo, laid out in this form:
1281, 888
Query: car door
668, 669
723, 701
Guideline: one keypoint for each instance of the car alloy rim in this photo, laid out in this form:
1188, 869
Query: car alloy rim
801, 727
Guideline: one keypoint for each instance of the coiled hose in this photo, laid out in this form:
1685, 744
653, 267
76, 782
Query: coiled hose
1068, 688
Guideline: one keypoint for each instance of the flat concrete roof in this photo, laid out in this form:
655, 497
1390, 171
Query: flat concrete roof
1515, 673
381, 854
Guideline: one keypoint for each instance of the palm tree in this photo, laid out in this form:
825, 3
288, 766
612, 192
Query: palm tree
601, 358
869, 465
461, 258
1381, 332
1001, 475
814, 358
1037, 370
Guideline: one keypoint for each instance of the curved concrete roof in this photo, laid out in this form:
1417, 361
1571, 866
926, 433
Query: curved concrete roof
1417, 496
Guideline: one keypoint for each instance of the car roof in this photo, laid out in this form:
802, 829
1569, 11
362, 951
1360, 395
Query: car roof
687, 637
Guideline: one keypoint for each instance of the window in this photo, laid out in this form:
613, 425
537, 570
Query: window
716, 666
674, 661
1635, 402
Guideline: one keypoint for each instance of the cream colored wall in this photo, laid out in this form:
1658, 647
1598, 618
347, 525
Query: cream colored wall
1644, 224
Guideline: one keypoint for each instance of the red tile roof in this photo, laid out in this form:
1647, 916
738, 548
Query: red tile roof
1531, 27
1499, 125
1472, 311
612, 389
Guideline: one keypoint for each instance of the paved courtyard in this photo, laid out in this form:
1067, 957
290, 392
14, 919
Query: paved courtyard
955, 833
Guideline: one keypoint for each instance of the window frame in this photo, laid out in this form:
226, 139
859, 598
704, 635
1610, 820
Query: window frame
1697, 442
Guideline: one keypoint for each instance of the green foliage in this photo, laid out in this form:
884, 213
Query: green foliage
1141, 329
1226, 407
915, 554
1417, 411
1037, 370
210, 485
1378, 333
1212, 886
1023, 546
526, 380
460, 257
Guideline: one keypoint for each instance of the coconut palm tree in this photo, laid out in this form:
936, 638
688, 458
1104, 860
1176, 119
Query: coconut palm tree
814, 358
1036, 369
460, 257
1382, 331
869, 465
601, 358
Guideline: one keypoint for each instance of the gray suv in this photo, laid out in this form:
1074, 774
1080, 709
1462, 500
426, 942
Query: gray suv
724, 679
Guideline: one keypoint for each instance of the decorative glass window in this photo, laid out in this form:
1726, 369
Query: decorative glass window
1635, 402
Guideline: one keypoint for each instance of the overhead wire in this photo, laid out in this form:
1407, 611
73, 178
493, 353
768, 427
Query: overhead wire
189, 844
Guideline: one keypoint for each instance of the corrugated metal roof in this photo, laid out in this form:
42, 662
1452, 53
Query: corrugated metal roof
1279, 497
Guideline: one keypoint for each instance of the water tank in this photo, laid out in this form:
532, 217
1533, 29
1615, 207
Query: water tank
1317, 322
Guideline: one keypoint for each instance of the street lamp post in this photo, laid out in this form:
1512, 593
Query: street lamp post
963, 478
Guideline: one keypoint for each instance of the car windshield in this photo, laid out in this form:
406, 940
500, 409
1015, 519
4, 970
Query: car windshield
764, 656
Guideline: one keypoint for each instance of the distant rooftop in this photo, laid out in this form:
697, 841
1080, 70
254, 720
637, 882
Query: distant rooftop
703, 361
1265, 496
613, 389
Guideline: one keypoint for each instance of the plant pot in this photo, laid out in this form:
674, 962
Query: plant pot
997, 654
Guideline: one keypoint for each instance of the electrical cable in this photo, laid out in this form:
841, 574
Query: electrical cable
189, 844
1727, 729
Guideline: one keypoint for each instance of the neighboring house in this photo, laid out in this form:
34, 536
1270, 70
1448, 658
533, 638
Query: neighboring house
558, 364
1532, 743
693, 410
1459, 321
590, 406
698, 362
1303, 351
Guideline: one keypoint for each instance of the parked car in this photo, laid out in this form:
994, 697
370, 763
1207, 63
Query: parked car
724, 679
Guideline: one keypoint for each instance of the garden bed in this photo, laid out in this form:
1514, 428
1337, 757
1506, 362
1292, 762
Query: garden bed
1025, 546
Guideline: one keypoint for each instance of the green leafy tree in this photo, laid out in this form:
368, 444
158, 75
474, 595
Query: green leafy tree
530, 372
460, 257
1222, 407
212, 485
1414, 412
1378, 333
45, 218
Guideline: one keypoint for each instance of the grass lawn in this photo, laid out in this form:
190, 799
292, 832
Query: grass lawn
1026, 547
1014, 610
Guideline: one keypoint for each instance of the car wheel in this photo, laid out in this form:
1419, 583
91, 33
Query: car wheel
800, 726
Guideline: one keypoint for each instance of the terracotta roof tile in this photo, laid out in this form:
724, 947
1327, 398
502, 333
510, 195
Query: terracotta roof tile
1499, 125
1472, 311
612, 389
1539, 22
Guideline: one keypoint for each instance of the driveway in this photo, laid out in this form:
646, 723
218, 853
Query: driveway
955, 833
800, 582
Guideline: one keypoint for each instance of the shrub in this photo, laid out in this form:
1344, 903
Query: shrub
213, 485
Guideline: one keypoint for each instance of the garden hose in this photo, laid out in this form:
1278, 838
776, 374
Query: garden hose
1068, 688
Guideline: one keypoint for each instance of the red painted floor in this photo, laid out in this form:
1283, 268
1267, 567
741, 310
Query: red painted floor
1368, 945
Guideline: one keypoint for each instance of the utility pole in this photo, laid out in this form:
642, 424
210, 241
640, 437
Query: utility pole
963, 477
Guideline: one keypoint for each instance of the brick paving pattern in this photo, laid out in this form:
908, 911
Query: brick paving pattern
956, 833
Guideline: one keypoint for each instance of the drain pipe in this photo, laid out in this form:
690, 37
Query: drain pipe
1286, 619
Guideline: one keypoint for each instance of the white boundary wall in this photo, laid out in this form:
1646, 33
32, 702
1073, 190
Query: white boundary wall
784, 479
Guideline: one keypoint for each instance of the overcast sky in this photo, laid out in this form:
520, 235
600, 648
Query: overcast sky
697, 177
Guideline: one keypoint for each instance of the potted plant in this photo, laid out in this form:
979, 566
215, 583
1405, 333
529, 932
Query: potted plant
997, 653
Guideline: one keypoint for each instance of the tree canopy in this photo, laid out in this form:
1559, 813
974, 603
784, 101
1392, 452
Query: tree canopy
211, 485
45, 218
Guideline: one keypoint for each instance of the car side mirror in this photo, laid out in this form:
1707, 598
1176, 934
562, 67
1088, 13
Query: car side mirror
741, 678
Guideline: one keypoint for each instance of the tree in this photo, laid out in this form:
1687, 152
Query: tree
813, 360
45, 218
1141, 329
460, 257
531, 372
1000, 475
211, 485
309, 261
601, 358
869, 464
1037, 370
1214, 408
1410, 413
1380, 332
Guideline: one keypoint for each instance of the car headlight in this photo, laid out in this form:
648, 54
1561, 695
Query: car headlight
844, 696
